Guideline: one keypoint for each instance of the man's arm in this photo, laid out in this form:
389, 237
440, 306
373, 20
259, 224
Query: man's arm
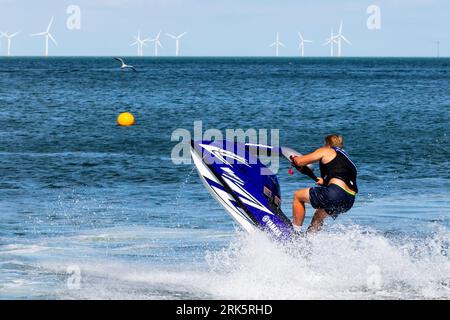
308, 172
301, 163
309, 158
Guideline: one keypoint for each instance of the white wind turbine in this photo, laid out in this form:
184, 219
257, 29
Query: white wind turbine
157, 43
331, 41
2, 34
9, 37
340, 37
177, 41
438, 44
47, 35
277, 44
301, 46
140, 44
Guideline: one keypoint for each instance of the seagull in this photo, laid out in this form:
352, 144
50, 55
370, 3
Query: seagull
124, 65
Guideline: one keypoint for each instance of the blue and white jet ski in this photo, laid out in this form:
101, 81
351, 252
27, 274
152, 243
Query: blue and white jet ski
232, 173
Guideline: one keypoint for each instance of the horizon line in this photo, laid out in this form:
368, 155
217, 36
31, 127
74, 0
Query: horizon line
213, 56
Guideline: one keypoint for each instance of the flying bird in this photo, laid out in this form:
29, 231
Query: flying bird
124, 65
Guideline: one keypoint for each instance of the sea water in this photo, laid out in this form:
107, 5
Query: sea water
93, 210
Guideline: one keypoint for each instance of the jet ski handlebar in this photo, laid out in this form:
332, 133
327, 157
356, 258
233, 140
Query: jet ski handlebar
286, 152
302, 169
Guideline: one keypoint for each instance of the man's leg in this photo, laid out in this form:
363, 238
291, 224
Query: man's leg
298, 206
317, 221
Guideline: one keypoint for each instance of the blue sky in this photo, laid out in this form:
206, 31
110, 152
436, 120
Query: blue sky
229, 27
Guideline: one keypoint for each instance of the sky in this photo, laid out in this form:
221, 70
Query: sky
228, 27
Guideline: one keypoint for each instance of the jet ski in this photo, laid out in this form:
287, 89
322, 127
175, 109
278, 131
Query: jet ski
235, 176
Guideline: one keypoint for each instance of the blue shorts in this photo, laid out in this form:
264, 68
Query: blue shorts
333, 199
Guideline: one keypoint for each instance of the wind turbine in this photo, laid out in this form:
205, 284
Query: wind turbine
9, 37
140, 44
177, 42
438, 44
47, 35
277, 44
301, 46
340, 37
157, 43
331, 41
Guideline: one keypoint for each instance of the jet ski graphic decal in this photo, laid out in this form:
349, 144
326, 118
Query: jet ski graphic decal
236, 182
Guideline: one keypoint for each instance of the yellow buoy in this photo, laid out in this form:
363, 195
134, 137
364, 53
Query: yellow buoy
125, 119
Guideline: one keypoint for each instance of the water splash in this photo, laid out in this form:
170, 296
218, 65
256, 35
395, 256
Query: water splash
350, 262
344, 263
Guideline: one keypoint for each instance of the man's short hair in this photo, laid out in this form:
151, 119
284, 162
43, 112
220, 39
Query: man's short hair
334, 140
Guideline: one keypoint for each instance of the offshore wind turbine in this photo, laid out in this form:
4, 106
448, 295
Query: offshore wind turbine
339, 38
438, 44
331, 41
177, 42
47, 35
301, 46
9, 37
140, 44
157, 43
277, 44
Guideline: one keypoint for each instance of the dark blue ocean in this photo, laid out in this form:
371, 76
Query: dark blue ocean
91, 210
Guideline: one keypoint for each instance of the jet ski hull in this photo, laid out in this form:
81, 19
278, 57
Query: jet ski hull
234, 177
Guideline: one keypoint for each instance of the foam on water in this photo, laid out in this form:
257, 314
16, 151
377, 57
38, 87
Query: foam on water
342, 263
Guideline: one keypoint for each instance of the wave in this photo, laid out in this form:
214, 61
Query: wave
345, 263
351, 262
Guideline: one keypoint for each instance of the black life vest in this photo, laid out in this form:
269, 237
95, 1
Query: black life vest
341, 167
